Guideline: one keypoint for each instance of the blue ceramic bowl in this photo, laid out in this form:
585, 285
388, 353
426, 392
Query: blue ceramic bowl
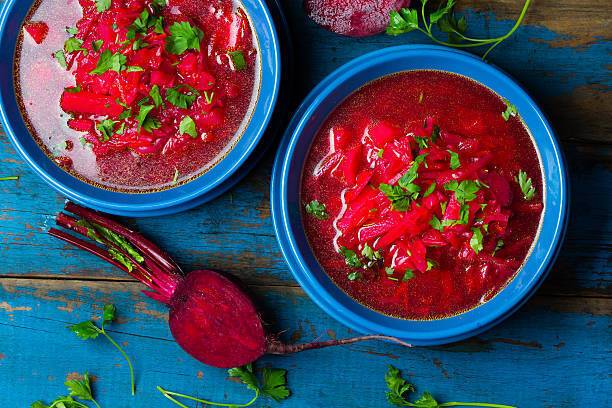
204, 188
286, 211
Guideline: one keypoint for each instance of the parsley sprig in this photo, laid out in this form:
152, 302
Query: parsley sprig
406, 190
89, 330
526, 185
273, 385
77, 388
399, 391
410, 19
317, 210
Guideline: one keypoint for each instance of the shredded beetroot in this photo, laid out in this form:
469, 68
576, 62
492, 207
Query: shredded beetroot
210, 316
38, 30
355, 18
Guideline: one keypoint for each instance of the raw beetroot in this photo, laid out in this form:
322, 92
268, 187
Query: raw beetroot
355, 18
211, 317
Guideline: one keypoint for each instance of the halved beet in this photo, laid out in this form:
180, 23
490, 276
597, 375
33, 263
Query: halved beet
354, 18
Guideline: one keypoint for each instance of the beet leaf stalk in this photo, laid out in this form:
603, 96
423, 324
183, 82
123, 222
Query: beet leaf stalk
210, 316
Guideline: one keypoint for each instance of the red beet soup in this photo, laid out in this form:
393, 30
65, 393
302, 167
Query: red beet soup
422, 194
137, 95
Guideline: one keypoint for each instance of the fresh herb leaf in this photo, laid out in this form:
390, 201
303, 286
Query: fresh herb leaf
60, 57
526, 185
430, 189
88, 330
183, 36
96, 45
464, 191
103, 5
188, 126
406, 20
430, 265
476, 240
106, 128
209, 97
72, 30
275, 384
510, 110
353, 276
369, 253
74, 89
80, 388
109, 61
176, 176
134, 68
454, 160
179, 99
238, 60
73, 44
246, 375
317, 210
350, 257
156, 96
380, 153
409, 274
143, 113
436, 223
500, 244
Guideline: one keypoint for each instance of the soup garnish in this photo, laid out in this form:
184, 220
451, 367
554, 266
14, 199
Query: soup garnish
422, 194
150, 93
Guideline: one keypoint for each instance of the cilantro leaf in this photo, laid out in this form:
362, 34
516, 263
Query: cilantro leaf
188, 126
350, 257
454, 160
441, 12
238, 60
476, 240
275, 384
369, 253
436, 223
317, 210
109, 62
526, 185
103, 5
38, 404
183, 36
60, 57
85, 330
510, 110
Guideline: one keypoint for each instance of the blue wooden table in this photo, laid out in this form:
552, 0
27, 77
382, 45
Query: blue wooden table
555, 352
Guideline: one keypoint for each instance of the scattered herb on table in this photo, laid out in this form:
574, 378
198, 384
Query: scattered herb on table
526, 185
273, 384
89, 330
77, 388
399, 391
8, 178
317, 210
410, 19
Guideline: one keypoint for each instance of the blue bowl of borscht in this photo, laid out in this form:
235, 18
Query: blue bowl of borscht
138, 107
419, 193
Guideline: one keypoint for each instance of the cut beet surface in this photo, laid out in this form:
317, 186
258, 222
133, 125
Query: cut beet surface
355, 18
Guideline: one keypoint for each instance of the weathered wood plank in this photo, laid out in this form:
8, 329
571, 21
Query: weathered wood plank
521, 361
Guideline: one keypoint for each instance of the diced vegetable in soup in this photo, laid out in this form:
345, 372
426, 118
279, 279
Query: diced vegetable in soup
422, 194
137, 95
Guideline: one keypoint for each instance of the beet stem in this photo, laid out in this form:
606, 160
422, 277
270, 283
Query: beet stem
276, 347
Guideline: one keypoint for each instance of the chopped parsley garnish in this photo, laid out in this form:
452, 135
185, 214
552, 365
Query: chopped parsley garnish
103, 5
72, 30
405, 191
436, 224
526, 185
430, 265
238, 60
133, 68
156, 96
96, 45
350, 257
106, 128
476, 240
464, 191
188, 126
73, 44
500, 244
409, 274
510, 110
354, 276
454, 160
73, 89
179, 99
183, 36
109, 62
317, 210
60, 57
145, 121
372, 256
430, 189
380, 153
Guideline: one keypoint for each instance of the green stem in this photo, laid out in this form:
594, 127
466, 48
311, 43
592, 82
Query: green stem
124, 356
169, 394
474, 404
7, 178
81, 405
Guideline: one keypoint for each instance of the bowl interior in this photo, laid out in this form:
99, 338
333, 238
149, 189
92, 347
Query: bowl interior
287, 180
11, 17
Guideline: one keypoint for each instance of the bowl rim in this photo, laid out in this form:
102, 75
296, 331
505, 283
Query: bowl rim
176, 197
336, 302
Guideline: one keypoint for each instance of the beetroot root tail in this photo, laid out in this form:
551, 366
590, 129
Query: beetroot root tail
277, 347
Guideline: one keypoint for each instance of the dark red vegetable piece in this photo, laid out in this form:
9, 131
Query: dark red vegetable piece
38, 30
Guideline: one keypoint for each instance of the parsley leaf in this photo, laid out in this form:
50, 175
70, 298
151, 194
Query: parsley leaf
156, 96
409, 274
275, 384
183, 36
510, 110
179, 99
397, 387
454, 160
96, 45
500, 244
238, 60
246, 375
188, 126
526, 185
403, 21
85, 330
430, 189
476, 240
73, 44
60, 57
109, 62
80, 388
142, 114
103, 5
106, 128
350, 257
317, 210
436, 223
464, 191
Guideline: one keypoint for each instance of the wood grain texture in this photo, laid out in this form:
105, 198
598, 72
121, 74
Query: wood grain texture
555, 352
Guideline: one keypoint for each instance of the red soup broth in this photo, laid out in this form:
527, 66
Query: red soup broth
141, 96
391, 238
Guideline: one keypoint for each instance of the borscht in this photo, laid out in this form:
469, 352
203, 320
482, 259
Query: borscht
137, 95
422, 194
